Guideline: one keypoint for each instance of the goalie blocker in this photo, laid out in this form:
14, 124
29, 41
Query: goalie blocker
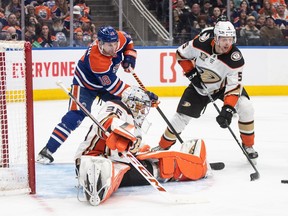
100, 176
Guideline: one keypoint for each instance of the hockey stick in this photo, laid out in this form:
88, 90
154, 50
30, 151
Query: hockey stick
134, 161
215, 165
157, 107
253, 176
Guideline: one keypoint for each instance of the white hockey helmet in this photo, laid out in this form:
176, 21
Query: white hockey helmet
138, 102
225, 29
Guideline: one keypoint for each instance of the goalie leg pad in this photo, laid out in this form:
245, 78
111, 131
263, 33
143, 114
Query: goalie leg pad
178, 165
99, 178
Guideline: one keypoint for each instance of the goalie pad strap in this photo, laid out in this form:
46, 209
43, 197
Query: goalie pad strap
177, 165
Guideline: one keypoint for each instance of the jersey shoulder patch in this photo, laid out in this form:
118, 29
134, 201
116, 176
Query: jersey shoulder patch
203, 43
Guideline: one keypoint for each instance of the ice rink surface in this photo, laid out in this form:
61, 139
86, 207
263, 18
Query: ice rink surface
228, 192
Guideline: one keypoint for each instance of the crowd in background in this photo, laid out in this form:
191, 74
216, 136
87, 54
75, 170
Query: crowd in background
47, 22
257, 22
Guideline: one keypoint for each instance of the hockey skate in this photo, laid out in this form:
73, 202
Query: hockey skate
252, 154
45, 156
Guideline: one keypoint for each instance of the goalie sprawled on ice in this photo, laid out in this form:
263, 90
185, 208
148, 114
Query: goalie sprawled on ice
100, 161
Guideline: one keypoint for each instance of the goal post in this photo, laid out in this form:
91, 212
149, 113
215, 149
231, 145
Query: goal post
17, 160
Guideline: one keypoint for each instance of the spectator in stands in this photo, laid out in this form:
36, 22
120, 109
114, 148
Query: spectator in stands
207, 8
250, 34
60, 9
94, 37
78, 38
17, 12
30, 11
61, 40
267, 9
239, 22
12, 5
233, 11
85, 10
31, 19
9, 34
187, 22
219, 3
12, 21
255, 5
43, 12
201, 24
30, 34
181, 8
215, 16
281, 17
245, 6
3, 20
77, 19
46, 39
4, 3
261, 21
271, 34
58, 26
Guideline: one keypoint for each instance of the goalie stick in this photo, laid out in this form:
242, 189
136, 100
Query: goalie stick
135, 162
214, 165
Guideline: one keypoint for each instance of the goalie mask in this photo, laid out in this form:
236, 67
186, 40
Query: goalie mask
138, 102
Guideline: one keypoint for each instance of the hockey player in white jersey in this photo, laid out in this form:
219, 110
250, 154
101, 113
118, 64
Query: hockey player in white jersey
217, 63
101, 166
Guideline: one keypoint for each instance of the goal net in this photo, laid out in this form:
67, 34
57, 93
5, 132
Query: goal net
17, 163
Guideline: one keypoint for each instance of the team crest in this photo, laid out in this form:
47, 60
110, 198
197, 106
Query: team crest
186, 104
236, 56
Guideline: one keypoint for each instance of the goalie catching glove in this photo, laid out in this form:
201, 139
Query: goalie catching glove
122, 137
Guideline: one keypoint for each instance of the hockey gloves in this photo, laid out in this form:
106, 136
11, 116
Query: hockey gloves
154, 98
129, 60
195, 77
225, 116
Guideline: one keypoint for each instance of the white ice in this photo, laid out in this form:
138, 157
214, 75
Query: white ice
228, 192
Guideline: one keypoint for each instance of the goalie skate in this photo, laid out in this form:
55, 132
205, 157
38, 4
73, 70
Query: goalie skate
45, 156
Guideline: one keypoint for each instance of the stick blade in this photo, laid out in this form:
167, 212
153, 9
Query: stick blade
254, 176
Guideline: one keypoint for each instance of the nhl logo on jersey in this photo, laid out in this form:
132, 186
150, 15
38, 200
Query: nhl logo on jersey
236, 56
203, 56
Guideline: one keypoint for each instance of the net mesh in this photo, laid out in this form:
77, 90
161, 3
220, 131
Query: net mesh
13, 134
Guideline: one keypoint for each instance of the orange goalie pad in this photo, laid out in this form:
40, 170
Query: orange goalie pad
178, 165
116, 141
119, 170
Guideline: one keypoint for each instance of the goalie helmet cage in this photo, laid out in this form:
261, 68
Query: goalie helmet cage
17, 160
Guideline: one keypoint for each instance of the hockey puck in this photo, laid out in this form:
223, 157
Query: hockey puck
284, 181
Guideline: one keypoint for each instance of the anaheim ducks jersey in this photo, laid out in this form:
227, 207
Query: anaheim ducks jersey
96, 71
95, 141
217, 70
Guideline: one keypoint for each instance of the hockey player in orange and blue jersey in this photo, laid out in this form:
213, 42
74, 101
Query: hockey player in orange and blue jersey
94, 76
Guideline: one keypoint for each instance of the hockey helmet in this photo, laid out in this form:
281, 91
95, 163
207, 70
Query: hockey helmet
107, 34
224, 29
138, 102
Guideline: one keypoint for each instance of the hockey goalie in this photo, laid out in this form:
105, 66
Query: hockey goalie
100, 163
